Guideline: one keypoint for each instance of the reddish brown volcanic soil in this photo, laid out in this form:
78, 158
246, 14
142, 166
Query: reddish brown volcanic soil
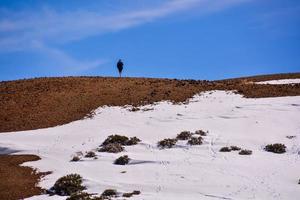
18, 182
46, 102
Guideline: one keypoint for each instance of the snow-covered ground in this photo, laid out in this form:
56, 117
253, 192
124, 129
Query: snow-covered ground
183, 172
281, 81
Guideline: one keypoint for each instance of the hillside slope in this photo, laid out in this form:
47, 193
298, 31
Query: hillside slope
47, 102
184, 171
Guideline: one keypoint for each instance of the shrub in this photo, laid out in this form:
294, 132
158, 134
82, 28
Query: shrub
68, 185
90, 154
112, 148
184, 135
225, 149
136, 192
115, 139
167, 143
195, 140
290, 136
122, 160
200, 132
245, 152
75, 158
130, 194
133, 141
123, 140
109, 193
235, 148
276, 148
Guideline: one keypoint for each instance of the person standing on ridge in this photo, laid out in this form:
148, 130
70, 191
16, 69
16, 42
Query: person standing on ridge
120, 66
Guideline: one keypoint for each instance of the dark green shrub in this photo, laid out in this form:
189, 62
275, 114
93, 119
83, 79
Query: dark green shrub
68, 185
109, 193
136, 192
127, 195
132, 141
130, 194
167, 143
112, 148
115, 139
75, 158
225, 149
245, 152
122, 140
200, 132
184, 135
90, 154
122, 160
276, 148
195, 140
235, 148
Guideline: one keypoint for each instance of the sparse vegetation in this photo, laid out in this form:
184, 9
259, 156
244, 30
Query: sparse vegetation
200, 132
245, 152
184, 135
112, 148
122, 160
68, 185
75, 158
122, 140
90, 154
109, 193
130, 194
133, 141
290, 136
276, 148
225, 149
235, 148
167, 143
195, 141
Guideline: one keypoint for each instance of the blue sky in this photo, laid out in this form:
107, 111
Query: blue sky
198, 39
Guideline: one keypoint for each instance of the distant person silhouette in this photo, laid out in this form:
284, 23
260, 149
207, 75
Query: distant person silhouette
120, 67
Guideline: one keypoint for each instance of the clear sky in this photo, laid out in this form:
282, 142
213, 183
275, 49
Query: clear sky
198, 39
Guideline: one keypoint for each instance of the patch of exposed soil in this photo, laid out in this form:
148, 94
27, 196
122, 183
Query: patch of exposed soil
18, 182
47, 102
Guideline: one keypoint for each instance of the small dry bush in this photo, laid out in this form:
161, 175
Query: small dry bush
184, 135
75, 158
112, 148
109, 193
167, 143
235, 148
122, 160
120, 139
130, 194
90, 154
68, 185
245, 152
225, 149
200, 132
276, 148
133, 141
195, 141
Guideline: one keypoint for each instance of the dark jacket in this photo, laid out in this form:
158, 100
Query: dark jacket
120, 65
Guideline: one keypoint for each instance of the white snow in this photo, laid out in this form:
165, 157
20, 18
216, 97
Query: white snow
281, 81
183, 172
